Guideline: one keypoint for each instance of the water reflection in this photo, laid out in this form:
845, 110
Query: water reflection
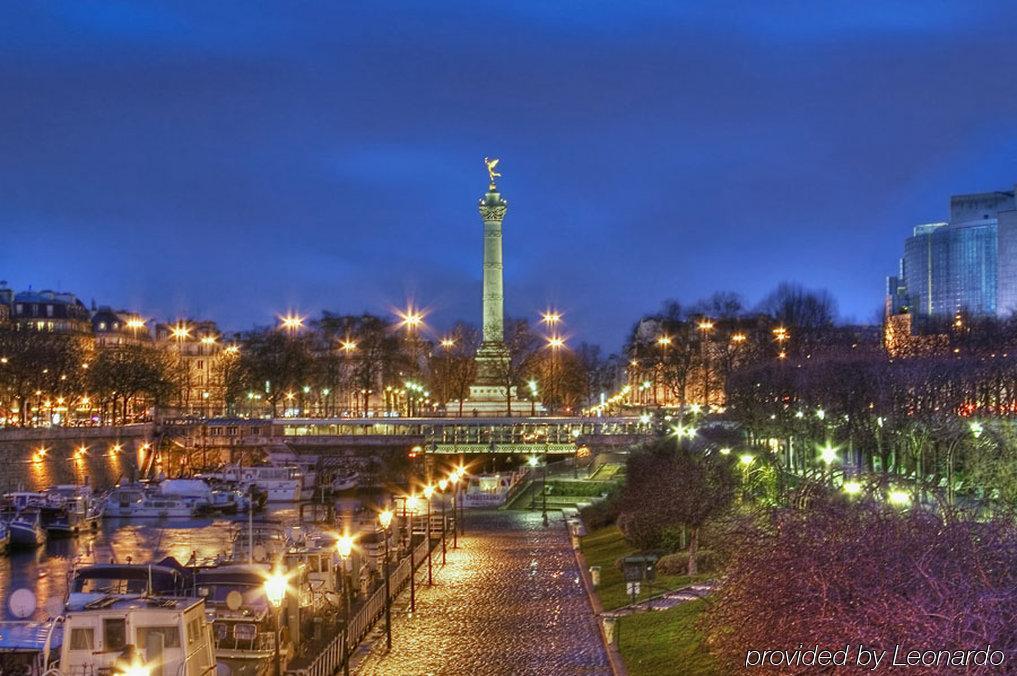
45, 570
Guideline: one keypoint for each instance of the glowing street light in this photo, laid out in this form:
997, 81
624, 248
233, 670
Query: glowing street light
976, 428
275, 591
385, 519
448, 343
738, 338
746, 459
828, 454
347, 345
412, 318
291, 322
663, 341
705, 325
551, 318
898, 497
725, 451
180, 331
344, 547
852, 487
556, 342
135, 668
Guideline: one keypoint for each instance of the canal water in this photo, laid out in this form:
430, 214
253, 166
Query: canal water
46, 569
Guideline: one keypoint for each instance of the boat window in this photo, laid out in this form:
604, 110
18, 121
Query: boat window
114, 634
193, 631
82, 638
170, 636
111, 586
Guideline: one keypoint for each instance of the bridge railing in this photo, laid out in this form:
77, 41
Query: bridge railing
330, 658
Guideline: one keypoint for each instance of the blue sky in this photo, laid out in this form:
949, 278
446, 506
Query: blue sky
233, 160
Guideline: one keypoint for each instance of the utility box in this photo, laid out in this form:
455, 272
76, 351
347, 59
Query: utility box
640, 567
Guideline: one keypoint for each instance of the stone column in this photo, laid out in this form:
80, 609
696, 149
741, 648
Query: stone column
492, 210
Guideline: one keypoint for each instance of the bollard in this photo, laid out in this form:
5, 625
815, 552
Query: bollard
595, 576
610, 629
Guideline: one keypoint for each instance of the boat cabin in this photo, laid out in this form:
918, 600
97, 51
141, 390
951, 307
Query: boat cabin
169, 635
92, 583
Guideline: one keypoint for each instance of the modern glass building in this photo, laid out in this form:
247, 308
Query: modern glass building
968, 263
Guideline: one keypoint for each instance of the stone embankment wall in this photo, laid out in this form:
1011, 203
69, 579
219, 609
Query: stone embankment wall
32, 459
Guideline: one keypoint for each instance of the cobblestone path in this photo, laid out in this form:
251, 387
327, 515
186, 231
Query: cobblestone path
509, 601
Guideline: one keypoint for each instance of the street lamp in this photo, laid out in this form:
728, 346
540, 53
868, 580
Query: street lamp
275, 591
412, 319
291, 323
411, 503
428, 492
344, 547
442, 486
454, 479
385, 519
551, 318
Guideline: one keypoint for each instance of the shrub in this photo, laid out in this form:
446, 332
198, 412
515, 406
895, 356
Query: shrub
601, 513
678, 563
838, 573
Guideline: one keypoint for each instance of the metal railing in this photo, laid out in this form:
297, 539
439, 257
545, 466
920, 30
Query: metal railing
330, 659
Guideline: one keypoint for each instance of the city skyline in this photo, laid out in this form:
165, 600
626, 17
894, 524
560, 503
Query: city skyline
177, 162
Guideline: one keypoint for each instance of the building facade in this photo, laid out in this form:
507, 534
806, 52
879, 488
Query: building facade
966, 264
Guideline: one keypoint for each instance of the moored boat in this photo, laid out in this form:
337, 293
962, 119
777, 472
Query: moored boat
70, 509
26, 529
137, 501
123, 635
105, 580
488, 490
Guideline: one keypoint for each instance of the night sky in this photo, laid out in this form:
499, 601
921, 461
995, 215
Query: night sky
233, 160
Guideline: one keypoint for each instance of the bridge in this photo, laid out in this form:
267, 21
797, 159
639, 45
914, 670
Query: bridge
468, 436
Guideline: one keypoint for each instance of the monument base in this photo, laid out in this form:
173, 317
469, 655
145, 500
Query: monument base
490, 400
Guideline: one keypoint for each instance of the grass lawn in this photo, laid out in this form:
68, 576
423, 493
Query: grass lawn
665, 642
605, 546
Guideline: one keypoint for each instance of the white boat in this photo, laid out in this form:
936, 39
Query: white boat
488, 490
282, 456
279, 484
112, 634
243, 622
70, 509
136, 501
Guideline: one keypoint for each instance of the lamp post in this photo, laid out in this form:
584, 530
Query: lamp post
543, 484
705, 326
461, 519
344, 546
385, 519
411, 504
428, 492
275, 592
454, 478
443, 486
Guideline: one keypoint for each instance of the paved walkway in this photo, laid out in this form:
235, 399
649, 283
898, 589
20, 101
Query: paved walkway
510, 601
